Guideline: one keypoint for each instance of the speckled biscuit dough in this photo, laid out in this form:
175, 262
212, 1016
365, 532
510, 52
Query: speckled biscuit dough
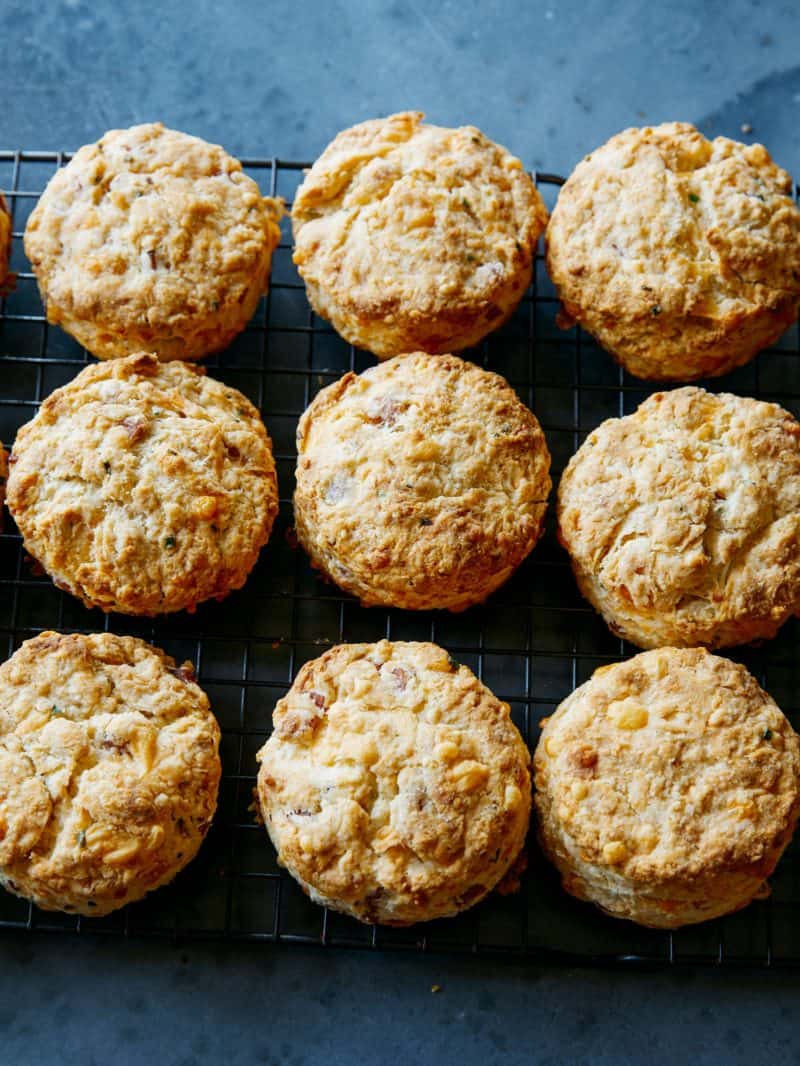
395, 786
152, 240
414, 236
681, 255
667, 788
421, 483
683, 519
144, 487
108, 770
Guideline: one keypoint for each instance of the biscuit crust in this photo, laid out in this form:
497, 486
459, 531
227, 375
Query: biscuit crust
152, 240
667, 787
421, 483
679, 254
395, 786
683, 519
108, 770
414, 236
144, 487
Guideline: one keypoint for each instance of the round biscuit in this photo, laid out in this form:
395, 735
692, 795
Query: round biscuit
395, 786
667, 788
152, 240
109, 770
683, 519
144, 487
679, 254
414, 236
421, 483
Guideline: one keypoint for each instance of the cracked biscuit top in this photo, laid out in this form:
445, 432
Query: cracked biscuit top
683, 519
411, 236
421, 483
152, 240
144, 487
108, 770
395, 786
680, 254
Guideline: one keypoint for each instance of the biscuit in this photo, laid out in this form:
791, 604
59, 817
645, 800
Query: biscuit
421, 483
395, 786
679, 254
152, 240
683, 519
3, 480
413, 236
108, 770
144, 487
667, 788
5, 244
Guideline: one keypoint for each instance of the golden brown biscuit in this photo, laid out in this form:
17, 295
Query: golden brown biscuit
152, 239
413, 236
144, 487
667, 787
683, 519
3, 480
395, 786
421, 483
5, 244
108, 770
681, 255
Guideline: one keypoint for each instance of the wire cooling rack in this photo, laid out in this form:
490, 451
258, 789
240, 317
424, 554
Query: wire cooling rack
532, 643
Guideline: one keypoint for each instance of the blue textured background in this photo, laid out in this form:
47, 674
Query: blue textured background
551, 81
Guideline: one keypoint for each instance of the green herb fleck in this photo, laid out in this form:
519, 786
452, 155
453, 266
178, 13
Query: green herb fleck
82, 838
520, 249
426, 521
54, 711
467, 206
454, 664
170, 542
470, 258
107, 466
694, 197
767, 734
655, 309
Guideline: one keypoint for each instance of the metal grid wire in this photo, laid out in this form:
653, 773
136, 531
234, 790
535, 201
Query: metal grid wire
532, 643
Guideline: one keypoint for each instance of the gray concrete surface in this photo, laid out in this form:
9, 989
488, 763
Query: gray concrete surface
551, 80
